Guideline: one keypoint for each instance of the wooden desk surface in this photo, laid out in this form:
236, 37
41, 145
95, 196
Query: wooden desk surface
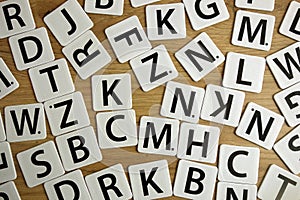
148, 103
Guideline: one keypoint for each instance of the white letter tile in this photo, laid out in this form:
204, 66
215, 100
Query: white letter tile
7, 166
8, 83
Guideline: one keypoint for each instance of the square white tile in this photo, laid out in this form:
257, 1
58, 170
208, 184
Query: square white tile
111, 92
205, 14
288, 102
218, 105
284, 64
154, 68
138, 3
67, 113
289, 25
8, 83
16, 17
2, 130
78, 149
198, 142
253, 30
244, 72
31, 49
9, 191
87, 55
68, 21
104, 7
110, 183
238, 164
25, 122
116, 129
236, 191
40, 164
195, 180
200, 56
150, 180
279, 184
7, 166
158, 136
182, 101
260, 125
51, 80
128, 39
166, 21
266, 5
68, 186
288, 149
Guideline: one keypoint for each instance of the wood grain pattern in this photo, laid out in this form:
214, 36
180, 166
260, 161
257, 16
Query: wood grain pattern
147, 103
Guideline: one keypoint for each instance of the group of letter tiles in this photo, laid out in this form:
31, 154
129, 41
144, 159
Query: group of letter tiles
195, 144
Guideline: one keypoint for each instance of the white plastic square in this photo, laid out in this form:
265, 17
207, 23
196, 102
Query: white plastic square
289, 26
8, 83
182, 102
158, 136
244, 72
51, 80
154, 68
205, 14
7, 166
87, 55
111, 92
288, 102
25, 122
198, 142
200, 56
116, 129
260, 125
9, 191
138, 3
68, 186
238, 164
78, 149
68, 21
128, 39
267, 5
110, 183
2, 130
15, 18
31, 49
288, 149
236, 191
222, 105
40, 164
166, 21
279, 184
195, 180
150, 180
253, 30
284, 65
104, 7
67, 113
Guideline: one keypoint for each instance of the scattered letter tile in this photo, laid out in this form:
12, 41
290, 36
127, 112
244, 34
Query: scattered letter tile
40, 164
68, 21
2, 130
238, 164
154, 68
182, 102
244, 72
236, 191
109, 7
116, 129
158, 136
253, 30
138, 3
200, 56
31, 49
289, 26
222, 105
8, 83
87, 55
150, 180
67, 113
9, 191
7, 166
25, 122
128, 39
267, 5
